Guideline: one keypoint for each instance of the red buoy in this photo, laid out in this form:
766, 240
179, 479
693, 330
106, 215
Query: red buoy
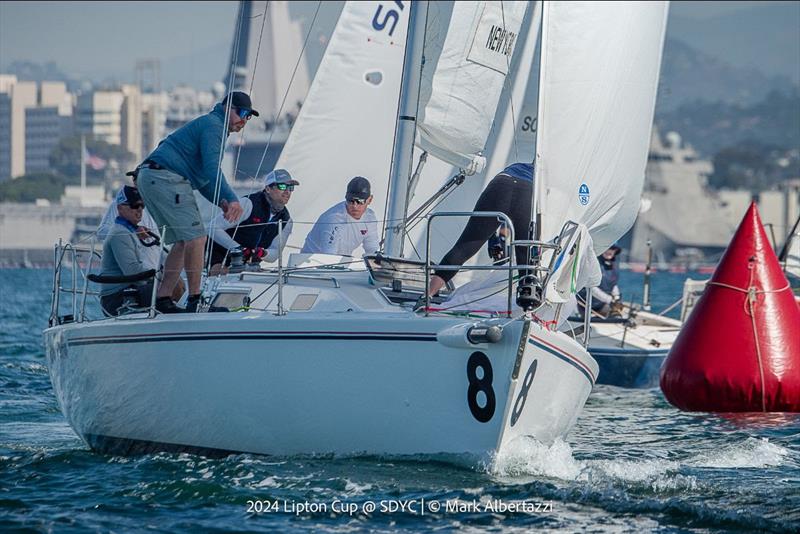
739, 350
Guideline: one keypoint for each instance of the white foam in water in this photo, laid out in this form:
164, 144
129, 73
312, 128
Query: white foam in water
352, 488
269, 482
751, 452
636, 471
526, 456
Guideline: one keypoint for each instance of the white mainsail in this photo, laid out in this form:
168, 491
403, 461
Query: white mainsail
347, 123
599, 74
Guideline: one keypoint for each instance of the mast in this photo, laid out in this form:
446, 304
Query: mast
406, 128
536, 212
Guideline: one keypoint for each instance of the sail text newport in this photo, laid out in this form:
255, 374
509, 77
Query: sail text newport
501, 40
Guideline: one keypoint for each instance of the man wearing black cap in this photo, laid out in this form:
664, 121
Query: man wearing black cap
124, 253
188, 159
347, 225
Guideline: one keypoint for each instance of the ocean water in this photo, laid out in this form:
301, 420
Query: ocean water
632, 463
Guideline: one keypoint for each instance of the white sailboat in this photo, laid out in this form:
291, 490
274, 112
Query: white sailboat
328, 359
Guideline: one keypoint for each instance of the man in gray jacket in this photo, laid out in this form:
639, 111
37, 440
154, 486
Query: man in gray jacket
124, 253
188, 159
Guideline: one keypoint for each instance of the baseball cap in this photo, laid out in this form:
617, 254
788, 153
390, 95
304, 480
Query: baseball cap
358, 188
279, 176
240, 100
128, 195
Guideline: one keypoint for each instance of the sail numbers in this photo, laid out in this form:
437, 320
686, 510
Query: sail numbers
519, 404
480, 385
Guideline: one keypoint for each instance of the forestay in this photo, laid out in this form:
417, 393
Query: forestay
468, 50
599, 75
347, 123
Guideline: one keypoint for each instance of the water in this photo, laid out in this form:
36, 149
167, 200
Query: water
632, 463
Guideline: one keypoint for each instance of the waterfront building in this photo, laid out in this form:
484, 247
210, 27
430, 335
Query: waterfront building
33, 117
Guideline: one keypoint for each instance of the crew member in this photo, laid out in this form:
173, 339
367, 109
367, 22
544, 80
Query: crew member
188, 159
124, 253
347, 225
509, 192
256, 231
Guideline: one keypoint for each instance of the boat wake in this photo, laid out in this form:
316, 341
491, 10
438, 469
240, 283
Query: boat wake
526, 457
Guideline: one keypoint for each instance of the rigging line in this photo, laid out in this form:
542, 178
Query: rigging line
286, 93
224, 137
250, 89
263, 16
280, 109
510, 88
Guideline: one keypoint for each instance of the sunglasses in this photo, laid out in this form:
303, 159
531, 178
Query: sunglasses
359, 201
245, 114
283, 187
137, 206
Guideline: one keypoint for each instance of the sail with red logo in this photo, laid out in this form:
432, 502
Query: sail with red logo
739, 351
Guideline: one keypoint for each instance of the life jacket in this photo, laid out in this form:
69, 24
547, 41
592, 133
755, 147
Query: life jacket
253, 232
610, 274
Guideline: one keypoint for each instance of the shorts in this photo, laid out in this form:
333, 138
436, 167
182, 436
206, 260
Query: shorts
170, 200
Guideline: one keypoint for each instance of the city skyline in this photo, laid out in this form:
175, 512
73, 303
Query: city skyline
101, 41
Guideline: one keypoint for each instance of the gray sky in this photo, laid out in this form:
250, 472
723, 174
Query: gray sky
100, 39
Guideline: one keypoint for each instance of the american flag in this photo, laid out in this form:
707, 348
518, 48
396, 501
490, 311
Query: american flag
95, 162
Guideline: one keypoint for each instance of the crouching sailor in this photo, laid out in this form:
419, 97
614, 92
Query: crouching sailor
125, 253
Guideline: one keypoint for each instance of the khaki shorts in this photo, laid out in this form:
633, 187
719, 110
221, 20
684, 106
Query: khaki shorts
170, 200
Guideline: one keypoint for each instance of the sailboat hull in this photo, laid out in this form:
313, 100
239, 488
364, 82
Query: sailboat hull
286, 385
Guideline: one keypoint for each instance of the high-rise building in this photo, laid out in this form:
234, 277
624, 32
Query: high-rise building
15, 97
99, 114
131, 115
43, 130
46, 124
154, 118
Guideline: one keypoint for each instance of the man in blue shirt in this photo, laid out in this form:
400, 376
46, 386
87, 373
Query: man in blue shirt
188, 159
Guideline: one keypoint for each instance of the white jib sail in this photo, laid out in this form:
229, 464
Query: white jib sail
511, 140
599, 75
346, 126
469, 46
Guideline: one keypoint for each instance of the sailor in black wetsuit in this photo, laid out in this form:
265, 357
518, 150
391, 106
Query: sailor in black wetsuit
509, 192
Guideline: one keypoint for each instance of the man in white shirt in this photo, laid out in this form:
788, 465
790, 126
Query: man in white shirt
347, 225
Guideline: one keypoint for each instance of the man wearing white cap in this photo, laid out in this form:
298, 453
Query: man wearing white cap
256, 231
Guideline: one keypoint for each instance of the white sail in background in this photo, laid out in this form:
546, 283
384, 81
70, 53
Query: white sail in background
266, 56
346, 127
469, 46
599, 74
